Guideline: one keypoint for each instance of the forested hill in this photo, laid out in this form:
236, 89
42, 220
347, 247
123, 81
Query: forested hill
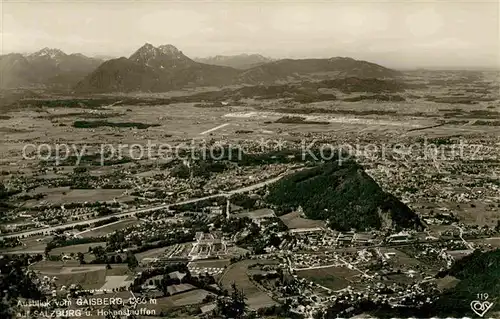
479, 273
345, 195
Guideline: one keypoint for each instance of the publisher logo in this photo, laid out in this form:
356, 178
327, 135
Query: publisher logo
481, 307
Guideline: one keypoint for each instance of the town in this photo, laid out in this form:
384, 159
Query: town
281, 160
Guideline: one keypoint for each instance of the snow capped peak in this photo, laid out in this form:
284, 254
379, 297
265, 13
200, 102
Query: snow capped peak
144, 53
48, 52
146, 49
169, 49
147, 46
164, 56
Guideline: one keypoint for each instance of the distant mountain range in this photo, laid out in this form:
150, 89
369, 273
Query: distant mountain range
165, 68
154, 69
290, 70
47, 67
241, 61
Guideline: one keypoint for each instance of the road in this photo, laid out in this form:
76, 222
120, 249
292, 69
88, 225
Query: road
98, 227
144, 210
215, 128
351, 266
462, 238
317, 267
21, 252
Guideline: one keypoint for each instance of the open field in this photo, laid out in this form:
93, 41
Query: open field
115, 282
31, 244
88, 275
192, 297
475, 212
335, 278
484, 213
236, 273
152, 253
176, 289
399, 258
494, 242
179, 123
259, 213
293, 220
106, 229
446, 282
61, 195
82, 248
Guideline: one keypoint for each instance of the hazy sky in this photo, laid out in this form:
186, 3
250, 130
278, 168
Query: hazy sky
396, 34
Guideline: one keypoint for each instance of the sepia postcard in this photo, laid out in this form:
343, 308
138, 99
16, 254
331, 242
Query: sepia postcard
249, 159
